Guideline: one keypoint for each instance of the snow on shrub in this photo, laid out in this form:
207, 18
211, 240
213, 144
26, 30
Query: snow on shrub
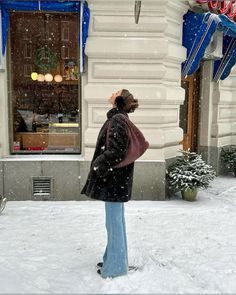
189, 171
228, 155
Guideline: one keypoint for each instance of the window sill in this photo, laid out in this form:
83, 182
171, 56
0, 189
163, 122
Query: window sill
43, 158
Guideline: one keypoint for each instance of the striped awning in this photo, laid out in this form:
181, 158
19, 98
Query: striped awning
198, 30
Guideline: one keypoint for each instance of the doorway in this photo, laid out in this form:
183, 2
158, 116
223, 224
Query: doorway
189, 112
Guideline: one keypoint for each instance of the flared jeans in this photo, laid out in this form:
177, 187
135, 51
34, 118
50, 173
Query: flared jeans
115, 258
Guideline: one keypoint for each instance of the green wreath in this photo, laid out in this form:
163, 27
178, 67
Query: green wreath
45, 58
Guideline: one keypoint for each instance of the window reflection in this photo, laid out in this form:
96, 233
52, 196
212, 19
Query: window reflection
45, 82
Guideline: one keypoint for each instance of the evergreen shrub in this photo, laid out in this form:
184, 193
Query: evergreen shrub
228, 156
189, 171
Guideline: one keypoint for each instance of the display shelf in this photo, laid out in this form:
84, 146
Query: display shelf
41, 140
31, 82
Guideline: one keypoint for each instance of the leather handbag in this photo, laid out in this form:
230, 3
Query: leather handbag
137, 143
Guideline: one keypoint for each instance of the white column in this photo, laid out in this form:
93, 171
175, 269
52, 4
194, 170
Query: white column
207, 97
4, 134
218, 109
217, 115
144, 58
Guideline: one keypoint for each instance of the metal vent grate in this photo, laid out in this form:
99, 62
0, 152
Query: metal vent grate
42, 186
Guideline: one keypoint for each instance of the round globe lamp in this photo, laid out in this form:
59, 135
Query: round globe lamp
40, 77
58, 78
48, 77
34, 76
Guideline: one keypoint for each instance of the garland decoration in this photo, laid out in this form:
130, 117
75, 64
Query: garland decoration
45, 58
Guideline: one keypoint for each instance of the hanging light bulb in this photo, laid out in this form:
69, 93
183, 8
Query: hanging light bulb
48, 77
40, 77
34, 76
58, 78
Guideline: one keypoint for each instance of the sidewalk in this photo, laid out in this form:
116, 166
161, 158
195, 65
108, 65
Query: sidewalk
180, 247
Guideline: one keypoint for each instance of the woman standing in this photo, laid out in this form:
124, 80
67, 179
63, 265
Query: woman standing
113, 185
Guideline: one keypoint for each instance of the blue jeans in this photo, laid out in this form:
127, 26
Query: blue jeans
115, 258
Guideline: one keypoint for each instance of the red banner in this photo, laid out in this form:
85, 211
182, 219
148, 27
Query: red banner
221, 7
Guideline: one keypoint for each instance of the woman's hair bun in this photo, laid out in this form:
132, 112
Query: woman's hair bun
120, 102
126, 101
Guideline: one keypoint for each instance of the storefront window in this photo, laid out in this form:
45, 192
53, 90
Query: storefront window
44, 82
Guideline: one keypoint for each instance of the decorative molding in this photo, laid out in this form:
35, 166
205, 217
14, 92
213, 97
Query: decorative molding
147, 73
152, 94
227, 112
157, 137
144, 48
124, 26
145, 117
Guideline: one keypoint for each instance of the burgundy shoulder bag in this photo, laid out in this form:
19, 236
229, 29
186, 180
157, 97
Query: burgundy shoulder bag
137, 143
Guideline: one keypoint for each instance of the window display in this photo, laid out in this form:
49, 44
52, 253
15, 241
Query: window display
45, 82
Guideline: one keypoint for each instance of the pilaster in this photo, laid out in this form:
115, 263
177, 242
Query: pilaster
217, 115
226, 111
4, 136
144, 58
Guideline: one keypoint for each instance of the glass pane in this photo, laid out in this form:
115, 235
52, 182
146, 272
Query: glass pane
45, 82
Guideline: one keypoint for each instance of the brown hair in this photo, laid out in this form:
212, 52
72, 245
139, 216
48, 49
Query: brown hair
130, 103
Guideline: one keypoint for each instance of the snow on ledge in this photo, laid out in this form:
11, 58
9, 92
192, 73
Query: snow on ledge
43, 158
57, 158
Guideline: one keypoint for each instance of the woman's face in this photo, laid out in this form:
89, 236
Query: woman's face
113, 97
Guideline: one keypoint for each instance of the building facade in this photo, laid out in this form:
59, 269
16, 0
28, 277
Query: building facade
145, 58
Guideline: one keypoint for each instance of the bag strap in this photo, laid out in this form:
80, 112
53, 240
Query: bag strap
109, 127
107, 134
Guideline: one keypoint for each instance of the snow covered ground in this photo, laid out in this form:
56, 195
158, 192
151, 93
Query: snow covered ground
180, 247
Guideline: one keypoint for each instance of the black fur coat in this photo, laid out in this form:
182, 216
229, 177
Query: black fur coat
104, 182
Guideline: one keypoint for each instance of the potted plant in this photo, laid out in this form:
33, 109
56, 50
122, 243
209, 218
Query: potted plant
228, 156
189, 173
